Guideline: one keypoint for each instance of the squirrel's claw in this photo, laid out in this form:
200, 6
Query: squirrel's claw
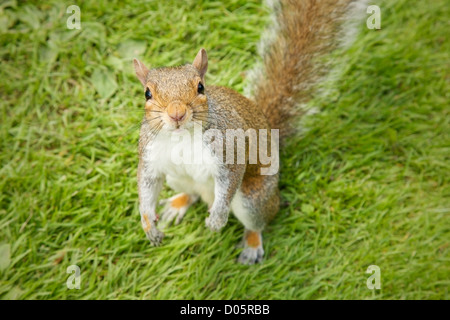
153, 234
176, 207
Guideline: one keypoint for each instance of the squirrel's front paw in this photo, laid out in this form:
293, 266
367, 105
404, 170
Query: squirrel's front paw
216, 222
153, 234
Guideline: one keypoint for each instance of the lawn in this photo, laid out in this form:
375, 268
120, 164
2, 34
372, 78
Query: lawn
366, 182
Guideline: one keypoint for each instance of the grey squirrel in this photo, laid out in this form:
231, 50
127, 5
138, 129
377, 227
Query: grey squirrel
177, 98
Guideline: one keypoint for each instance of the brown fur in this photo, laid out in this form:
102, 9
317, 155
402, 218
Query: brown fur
148, 224
253, 239
289, 72
180, 201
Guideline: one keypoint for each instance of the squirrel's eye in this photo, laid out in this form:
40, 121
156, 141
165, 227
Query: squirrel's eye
200, 88
148, 94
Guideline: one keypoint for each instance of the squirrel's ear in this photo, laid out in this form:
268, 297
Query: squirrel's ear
141, 71
201, 63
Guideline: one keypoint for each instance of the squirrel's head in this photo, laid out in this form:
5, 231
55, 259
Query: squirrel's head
175, 96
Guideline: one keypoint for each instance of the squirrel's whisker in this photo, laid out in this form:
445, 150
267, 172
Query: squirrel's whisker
152, 119
154, 103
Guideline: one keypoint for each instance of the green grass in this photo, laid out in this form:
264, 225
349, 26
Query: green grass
367, 183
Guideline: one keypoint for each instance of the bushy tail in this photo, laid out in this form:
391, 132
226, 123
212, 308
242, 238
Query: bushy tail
303, 30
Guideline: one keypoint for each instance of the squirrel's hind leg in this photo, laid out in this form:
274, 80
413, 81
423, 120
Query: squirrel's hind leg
255, 204
253, 249
176, 207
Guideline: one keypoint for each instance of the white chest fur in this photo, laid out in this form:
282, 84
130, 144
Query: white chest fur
184, 160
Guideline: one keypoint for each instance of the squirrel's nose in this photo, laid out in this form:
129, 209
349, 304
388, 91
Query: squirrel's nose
177, 112
178, 116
